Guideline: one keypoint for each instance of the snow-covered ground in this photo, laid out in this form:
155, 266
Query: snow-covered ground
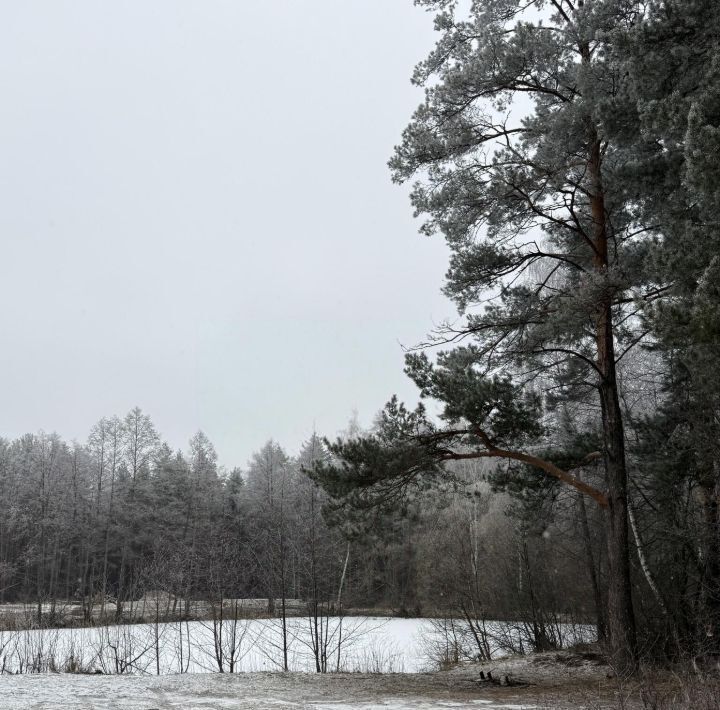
385, 664
253, 691
567, 679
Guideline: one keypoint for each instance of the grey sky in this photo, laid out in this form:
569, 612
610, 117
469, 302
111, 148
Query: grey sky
197, 216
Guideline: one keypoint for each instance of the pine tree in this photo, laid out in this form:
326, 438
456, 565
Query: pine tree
524, 155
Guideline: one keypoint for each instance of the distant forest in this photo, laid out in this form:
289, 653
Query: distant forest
124, 514
123, 517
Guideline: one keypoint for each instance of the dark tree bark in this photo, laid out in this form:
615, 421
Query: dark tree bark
621, 616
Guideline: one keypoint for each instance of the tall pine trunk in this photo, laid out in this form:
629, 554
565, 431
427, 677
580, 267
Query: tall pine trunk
620, 614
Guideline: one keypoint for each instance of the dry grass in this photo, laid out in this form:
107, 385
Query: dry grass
580, 678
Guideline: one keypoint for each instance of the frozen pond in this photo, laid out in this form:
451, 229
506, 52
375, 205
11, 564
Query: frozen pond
351, 644
348, 644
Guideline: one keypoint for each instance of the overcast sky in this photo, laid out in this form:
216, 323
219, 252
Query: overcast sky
197, 217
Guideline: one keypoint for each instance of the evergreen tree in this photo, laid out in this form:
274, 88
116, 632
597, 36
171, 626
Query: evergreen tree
673, 77
523, 152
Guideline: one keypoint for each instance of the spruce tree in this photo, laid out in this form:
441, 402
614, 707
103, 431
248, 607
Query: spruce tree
673, 76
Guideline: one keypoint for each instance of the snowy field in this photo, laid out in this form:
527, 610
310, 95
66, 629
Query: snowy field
252, 691
350, 644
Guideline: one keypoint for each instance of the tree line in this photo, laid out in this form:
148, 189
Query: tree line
127, 529
104, 522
